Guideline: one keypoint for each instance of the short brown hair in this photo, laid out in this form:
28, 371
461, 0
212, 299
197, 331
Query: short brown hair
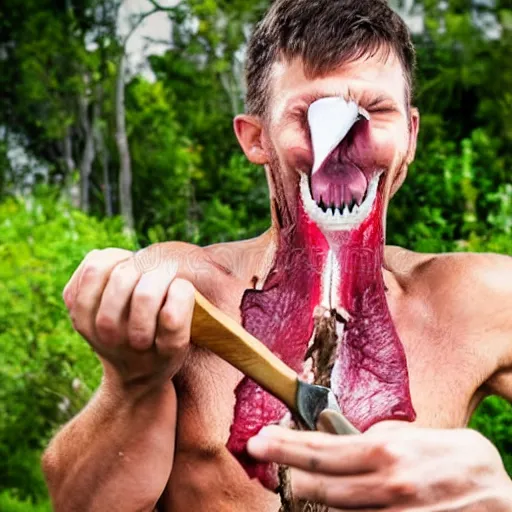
324, 34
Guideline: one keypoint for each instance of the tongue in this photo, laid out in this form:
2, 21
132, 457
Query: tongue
341, 271
337, 184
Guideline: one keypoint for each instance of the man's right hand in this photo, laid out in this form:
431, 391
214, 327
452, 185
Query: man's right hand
138, 322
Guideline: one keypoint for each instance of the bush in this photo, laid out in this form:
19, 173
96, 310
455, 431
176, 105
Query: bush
494, 420
9, 503
47, 372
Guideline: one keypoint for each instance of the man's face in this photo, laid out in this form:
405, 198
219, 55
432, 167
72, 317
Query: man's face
384, 144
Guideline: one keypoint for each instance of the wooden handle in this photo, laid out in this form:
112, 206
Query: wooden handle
214, 330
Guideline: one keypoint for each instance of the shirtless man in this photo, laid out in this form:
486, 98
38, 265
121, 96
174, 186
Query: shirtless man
417, 341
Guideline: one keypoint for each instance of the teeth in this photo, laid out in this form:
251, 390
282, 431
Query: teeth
330, 218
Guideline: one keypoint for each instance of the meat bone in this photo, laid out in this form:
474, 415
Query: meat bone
315, 407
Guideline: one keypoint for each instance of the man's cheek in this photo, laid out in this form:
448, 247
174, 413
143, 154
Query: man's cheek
299, 159
386, 148
295, 146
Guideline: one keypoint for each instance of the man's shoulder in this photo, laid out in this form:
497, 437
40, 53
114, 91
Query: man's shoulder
225, 256
481, 273
466, 284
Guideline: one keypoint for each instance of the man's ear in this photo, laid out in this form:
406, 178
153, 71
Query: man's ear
414, 124
249, 133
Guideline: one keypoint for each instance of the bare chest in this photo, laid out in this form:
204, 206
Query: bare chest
446, 369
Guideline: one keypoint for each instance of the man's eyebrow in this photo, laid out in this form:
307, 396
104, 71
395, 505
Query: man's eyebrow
310, 97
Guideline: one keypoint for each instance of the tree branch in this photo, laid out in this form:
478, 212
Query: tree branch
137, 25
160, 7
152, 40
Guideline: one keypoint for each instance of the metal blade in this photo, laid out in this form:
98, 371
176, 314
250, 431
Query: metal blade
333, 422
313, 405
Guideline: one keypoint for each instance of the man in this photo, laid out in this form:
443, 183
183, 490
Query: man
410, 343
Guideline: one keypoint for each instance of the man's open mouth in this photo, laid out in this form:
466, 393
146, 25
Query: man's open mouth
337, 207
339, 195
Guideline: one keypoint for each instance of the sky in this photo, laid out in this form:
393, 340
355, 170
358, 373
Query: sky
157, 27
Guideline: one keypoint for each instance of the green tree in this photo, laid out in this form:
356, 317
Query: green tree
47, 372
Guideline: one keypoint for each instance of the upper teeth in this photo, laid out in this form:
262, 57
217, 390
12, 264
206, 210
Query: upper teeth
333, 219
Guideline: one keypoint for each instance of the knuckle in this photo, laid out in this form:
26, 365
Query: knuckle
106, 326
168, 319
315, 443
401, 488
172, 346
143, 297
92, 270
314, 463
122, 271
140, 337
384, 451
275, 450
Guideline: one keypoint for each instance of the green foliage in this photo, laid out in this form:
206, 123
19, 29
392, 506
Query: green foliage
166, 161
46, 371
240, 208
494, 420
9, 503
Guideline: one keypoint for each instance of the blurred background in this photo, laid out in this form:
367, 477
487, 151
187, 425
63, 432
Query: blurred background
115, 130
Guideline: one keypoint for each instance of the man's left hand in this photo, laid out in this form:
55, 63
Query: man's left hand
391, 468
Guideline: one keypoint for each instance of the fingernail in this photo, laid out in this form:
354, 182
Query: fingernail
270, 431
257, 445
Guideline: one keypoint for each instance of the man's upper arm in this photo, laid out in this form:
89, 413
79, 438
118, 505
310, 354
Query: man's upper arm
497, 306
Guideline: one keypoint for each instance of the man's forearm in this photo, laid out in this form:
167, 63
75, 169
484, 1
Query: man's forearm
116, 455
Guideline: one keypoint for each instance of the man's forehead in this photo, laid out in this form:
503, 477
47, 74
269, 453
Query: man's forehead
365, 78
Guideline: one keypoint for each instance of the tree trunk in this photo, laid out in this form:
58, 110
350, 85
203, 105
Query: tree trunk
107, 187
89, 153
104, 156
72, 190
125, 170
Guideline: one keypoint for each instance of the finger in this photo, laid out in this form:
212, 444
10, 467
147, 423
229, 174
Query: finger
364, 492
112, 317
175, 319
90, 282
387, 426
71, 288
147, 300
315, 451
